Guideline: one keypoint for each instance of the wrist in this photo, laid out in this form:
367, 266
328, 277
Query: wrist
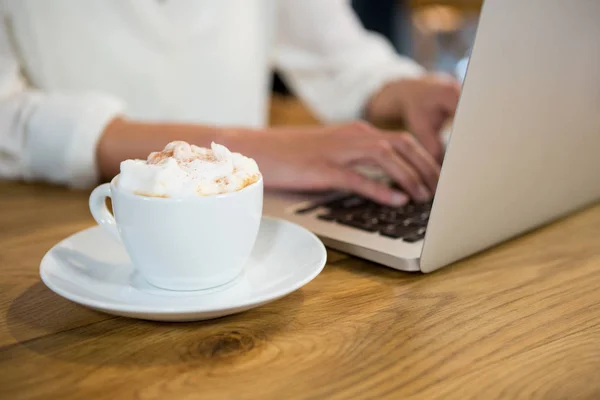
385, 106
249, 142
106, 145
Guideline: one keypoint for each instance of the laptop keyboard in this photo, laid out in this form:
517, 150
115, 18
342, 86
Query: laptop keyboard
407, 223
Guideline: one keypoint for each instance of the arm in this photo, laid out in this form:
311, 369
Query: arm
47, 136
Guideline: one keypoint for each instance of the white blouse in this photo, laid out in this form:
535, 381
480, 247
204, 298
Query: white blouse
68, 67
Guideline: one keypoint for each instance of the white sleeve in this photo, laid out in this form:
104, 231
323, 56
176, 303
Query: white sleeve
48, 137
330, 61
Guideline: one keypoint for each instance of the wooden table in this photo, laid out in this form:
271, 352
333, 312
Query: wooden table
521, 321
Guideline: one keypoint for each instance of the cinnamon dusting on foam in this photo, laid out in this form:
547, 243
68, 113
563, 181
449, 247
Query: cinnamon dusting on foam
158, 157
250, 180
184, 170
223, 181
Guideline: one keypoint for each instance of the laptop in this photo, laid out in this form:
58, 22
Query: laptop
524, 148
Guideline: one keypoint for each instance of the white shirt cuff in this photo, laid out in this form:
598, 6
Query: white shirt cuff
63, 132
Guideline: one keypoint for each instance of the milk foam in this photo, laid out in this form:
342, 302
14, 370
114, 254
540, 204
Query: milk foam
184, 170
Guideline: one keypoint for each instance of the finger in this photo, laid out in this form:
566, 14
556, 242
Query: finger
346, 179
399, 170
412, 151
448, 98
439, 120
425, 132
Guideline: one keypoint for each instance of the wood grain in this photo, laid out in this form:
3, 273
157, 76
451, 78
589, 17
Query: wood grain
521, 321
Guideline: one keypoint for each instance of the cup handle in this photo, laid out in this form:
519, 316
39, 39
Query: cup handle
100, 212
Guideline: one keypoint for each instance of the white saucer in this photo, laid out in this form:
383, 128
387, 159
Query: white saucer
93, 269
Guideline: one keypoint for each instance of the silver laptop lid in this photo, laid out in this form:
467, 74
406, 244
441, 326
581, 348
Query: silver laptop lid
525, 144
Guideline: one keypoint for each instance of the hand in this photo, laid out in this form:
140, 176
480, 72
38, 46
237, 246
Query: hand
422, 104
319, 158
323, 159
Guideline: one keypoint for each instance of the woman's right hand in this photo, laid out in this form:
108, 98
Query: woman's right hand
323, 158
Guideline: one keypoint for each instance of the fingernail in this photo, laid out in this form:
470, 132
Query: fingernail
423, 193
399, 199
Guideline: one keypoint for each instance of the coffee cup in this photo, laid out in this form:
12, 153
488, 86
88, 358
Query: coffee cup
190, 243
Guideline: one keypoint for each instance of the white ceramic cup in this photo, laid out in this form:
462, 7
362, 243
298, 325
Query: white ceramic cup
183, 244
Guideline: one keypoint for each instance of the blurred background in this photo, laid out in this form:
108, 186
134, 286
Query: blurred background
436, 33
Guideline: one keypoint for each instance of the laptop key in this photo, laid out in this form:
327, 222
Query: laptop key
425, 206
327, 217
345, 217
391, 216
409, 209
367, 215
416, 236
395, 231
362, 225
335, 203
413, 222
353, 201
